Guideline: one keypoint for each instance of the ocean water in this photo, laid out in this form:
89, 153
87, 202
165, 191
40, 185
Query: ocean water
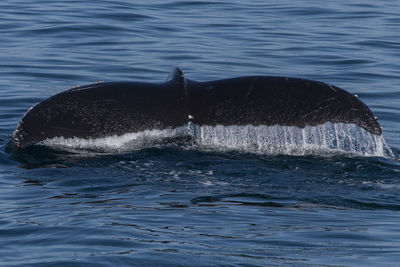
201, 196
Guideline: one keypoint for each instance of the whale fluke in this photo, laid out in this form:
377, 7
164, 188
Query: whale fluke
115, 108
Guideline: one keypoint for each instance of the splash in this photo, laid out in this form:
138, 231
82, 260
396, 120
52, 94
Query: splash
326, 139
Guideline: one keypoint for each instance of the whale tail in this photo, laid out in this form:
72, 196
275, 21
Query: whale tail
115, 108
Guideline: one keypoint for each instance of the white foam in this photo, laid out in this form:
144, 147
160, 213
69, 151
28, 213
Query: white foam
328, 138
117, 144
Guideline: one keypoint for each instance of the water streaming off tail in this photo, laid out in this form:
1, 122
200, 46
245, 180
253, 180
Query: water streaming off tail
326, 138
322, 139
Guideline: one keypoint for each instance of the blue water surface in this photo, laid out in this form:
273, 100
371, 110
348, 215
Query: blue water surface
173, 206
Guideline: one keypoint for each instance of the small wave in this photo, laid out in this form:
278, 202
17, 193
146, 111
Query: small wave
326, 139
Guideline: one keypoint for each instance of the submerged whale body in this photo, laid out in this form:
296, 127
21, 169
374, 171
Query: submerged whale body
115, 108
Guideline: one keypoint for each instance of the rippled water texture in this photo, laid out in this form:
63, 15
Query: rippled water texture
222, 200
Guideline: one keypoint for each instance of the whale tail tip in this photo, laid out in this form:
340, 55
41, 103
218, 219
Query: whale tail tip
175, 75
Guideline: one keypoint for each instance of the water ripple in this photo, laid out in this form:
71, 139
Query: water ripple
168, 205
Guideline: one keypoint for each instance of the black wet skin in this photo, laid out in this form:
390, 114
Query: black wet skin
116, 108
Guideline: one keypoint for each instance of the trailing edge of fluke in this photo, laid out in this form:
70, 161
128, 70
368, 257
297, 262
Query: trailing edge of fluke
115, 108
